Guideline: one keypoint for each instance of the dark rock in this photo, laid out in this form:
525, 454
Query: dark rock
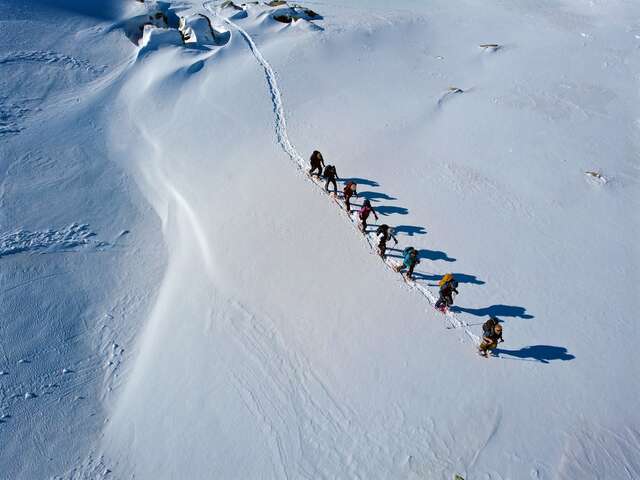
283, 18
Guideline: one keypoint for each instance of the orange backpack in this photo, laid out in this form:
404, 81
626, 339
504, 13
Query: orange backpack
447, 278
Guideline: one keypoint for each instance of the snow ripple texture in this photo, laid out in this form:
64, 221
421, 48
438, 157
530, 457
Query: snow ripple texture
287, 146
21, 241
52, 58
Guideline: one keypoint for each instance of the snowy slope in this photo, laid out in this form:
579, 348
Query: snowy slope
76, 276
180, 301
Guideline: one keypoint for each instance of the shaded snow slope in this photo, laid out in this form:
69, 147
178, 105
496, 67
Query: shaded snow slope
78, 260
270, 342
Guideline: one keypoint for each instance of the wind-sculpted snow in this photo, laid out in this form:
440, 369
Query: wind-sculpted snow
246, 327
12, 115
68, 238
20, 98
50, 58
197, 29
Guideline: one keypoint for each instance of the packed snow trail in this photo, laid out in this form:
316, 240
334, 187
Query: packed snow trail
276, 97
287, 146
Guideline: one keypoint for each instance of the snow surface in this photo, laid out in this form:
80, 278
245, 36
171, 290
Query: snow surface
179, 300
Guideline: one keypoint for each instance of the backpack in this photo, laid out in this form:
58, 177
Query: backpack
329, 171
316, 158
447, 278
487, 327
364, 212
407, 251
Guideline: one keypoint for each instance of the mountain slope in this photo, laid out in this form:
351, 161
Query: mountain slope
255, 334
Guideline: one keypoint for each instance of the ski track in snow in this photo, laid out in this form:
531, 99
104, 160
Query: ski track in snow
21, 241
327, 436
283, 139
299, 393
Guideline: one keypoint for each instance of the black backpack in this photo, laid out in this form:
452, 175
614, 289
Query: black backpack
487, 327
316, 158
329, 171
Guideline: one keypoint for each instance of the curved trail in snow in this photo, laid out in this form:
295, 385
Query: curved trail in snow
276, 96
283, 139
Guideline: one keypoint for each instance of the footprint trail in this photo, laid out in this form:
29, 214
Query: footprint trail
284, 141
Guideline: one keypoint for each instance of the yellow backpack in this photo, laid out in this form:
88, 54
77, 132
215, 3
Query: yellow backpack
447, 277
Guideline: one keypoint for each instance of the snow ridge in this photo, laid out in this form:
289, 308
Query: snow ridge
287, 146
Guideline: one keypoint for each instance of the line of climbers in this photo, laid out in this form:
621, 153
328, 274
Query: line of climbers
492, 330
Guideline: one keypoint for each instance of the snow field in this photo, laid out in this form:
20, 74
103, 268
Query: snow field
245, 315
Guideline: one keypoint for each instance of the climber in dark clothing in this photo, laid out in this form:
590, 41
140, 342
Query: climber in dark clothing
384, 234
317, 163
331, 176
491, 336
448, 286
349, 190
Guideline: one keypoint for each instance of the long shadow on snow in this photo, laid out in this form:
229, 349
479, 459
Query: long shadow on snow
383, 210
435, 255
360, 181
460, 277
540, 353
375, 196
388, 210
494, 310
409, 230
